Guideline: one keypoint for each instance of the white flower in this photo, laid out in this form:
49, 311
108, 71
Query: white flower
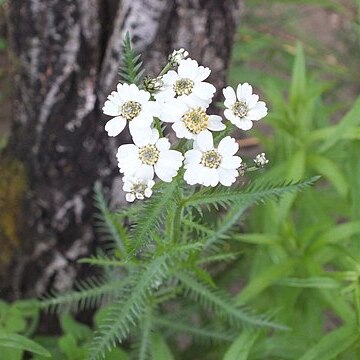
208, 166
188, 122
177, 56
187, 85
129, 104
147, 155
243, 107
137, 188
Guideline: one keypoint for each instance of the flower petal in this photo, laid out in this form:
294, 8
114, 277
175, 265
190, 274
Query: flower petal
129, 166
188, 69
163, 144
145, 172
204, 90
127, 150
166, 94
228, 146
181, 131
230, 115
170, 77
146, 137
252, 100
148, 192
143, 96
202, 74
215, 123
205, 141
134, 91
173, 110
227, 177
191, 174
244, 124
171, 158
115, 126
210, 177
164, 173
193, 156
130, 197
230, 162
110, 108
230, 96
193, 101
244, 92
140, 135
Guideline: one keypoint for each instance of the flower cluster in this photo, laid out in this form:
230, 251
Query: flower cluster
180, 95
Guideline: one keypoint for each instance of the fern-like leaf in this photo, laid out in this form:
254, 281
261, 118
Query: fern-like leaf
126, 312
256, 192
102, 260
203, 334
152, 215
222, 304
130, 71
144, 347
89, 294
107, 223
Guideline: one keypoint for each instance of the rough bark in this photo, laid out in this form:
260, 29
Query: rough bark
67, 57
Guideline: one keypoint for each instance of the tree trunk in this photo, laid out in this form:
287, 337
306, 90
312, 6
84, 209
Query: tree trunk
66, 55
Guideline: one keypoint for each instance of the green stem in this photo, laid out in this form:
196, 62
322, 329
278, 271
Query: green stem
173, 224
158, 126
166, 68
177, 223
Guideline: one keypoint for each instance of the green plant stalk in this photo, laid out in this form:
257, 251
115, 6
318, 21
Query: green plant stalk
174, 221
158, 127
166, 68
177, 223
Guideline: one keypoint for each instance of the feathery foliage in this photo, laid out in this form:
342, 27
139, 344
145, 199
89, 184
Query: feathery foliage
222, 304
108, 225
130, 71
254, 193
89, 295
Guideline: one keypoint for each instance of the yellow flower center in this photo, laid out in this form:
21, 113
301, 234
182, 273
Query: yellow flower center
149, 154
130, 110
139, 188
240, 109
211, 159
183, 87
196, 120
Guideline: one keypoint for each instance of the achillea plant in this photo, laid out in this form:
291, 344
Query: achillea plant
157, 280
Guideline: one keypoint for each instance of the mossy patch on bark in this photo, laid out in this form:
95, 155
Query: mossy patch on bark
13, 185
